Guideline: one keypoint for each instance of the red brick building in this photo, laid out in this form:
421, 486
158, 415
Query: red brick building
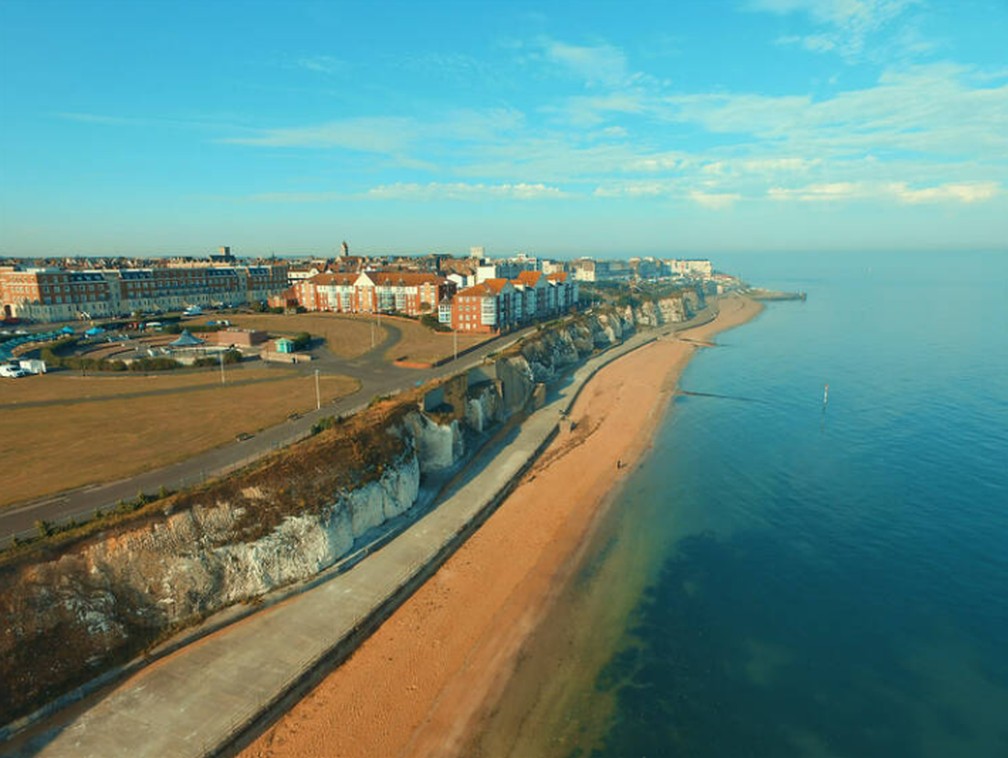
406, 292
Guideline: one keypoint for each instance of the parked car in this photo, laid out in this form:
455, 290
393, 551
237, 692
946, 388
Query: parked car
12, 372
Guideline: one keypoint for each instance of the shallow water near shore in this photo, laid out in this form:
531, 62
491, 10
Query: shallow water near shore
782, 578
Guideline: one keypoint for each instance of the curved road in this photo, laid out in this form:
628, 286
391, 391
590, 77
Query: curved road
376, 375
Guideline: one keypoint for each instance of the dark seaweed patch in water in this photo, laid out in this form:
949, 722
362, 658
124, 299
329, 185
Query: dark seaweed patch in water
686, 686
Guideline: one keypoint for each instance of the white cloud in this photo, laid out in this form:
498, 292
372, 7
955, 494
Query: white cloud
657, 162
972, 192
614, 132
919, 134
938, 110
847, 24
419, 191
714, 200
814, 193
640, 188
779, 165
963, 192
592, 110
738, 113
599, 65
463, 191
667, 188
851, 14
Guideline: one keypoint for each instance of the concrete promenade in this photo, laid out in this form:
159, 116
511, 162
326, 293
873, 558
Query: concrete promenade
205, 698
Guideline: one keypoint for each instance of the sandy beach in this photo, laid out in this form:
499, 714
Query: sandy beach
420, 685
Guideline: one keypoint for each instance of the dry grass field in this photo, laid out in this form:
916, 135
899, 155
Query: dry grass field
423, 345
349, 336
346, 336
68, 387
63, 430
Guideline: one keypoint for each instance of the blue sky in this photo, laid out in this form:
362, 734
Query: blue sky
554, 128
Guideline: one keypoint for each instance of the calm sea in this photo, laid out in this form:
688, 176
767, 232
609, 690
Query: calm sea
784, 578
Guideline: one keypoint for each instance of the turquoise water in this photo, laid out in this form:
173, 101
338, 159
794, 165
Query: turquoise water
826, 582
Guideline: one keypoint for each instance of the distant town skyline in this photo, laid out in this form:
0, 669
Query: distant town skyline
600, 129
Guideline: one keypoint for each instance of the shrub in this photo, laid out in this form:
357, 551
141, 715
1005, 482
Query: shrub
154, 364
431, 322
302, 341
324, 423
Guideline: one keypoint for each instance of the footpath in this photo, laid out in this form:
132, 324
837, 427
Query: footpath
210, 697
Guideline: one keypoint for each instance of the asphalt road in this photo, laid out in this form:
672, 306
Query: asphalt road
376, 375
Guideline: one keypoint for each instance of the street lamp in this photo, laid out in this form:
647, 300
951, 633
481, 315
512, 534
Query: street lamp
318, 396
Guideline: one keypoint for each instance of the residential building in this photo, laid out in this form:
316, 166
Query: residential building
700, 268
499, 304
410, 293
57, 294
486, 307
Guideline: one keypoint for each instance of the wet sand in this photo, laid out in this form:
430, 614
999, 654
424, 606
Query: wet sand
422, 683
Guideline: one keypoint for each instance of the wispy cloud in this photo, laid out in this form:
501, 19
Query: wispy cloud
422, 192
595, 109
659, 162
814, 193
385, 134
714, 200
598, 65
197, 121
97, 118
844, 26
919, 134
639, 188
964, 193
939, 109
322, 64
968, 192
670, 189
388, 134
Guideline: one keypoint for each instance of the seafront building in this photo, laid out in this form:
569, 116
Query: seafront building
499, 304
468, 294
592, 270
490, 305
409, 293
48, 294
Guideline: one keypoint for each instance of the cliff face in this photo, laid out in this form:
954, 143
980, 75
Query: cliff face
101, 602
66, 618
668, 310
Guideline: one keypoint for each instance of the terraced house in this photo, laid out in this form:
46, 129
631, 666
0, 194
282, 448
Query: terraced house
413, 294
